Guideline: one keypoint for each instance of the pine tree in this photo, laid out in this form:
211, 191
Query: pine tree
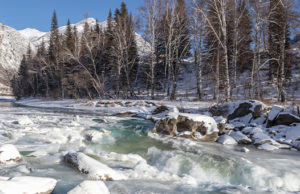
69, 39
54, 39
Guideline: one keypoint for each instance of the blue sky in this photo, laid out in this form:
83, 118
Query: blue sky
21, 14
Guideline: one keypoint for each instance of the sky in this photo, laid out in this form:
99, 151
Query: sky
21, 14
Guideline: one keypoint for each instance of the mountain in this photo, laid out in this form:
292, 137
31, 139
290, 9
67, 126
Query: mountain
36, 37
13, 45
32, 34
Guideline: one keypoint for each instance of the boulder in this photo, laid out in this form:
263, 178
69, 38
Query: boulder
240, 138
95, 135
28, 185
126, 114
246, 107
226, 140
261, 138
201, 127
267, 147
160, 109
285, 118
242, 149
273, 113
91, 167
90, 187
9, 154
221, 123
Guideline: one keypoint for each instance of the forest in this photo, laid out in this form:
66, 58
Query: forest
221, 39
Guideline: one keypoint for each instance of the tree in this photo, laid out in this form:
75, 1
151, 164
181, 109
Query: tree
69, 39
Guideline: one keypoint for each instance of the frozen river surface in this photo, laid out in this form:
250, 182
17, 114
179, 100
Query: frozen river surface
152, 164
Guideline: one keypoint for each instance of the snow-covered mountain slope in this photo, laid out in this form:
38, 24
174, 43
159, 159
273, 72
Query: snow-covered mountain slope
13, 45
32, 34
36, 37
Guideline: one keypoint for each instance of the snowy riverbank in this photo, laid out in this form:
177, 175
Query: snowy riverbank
243, 122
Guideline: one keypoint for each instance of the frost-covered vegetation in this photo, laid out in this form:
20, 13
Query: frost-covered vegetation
235, 49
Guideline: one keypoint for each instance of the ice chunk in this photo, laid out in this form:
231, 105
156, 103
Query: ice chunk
9, 154
28, 185
93, 168
226, 139
90, 187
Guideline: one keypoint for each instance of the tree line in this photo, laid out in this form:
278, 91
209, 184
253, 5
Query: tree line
223, 39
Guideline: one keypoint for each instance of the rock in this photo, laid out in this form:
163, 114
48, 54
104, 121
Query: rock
226, 140
267, 147
273, 113
90, 187
28, 185
245, 108
126, 114
160, 109
92, 168
242, 149
94, 135
240, 138
252, 130
262, 138
221, 123
9, 154
296, 145
202, 127
285, 118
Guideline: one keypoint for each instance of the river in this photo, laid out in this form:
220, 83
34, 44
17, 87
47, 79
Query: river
44, 136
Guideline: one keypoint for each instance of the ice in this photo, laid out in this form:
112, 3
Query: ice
28, 185
9, 154
90, 187
267, 147
227, 140
93, 168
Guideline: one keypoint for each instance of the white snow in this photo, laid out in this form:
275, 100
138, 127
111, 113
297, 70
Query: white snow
267, 147
240, 137
28, 185
209, 122
90, 187
274, 112
95, 169
227, 140
9, 154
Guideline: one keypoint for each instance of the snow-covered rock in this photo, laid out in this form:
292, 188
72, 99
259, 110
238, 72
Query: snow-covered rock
90, 187
241, 138
9, 154
261, 138
233, 110
28, 185
92, 168
286, 118
95, 135
252, 130
202, 127
226, 140
242, 149
267, 147
273, 113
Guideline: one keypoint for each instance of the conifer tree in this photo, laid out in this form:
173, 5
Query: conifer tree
54, 39
69, 39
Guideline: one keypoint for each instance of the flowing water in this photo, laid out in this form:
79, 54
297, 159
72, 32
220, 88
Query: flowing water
153, 164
